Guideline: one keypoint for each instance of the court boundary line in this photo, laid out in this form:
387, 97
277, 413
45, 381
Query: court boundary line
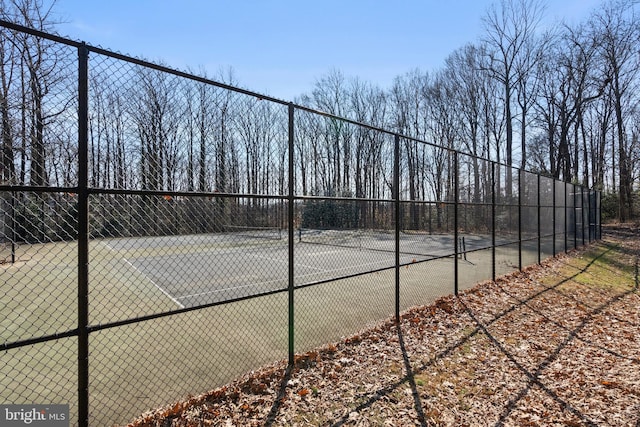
247, 285
167, 294
176, 299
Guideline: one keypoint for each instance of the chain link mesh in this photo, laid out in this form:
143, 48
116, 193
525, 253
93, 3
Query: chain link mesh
200, 229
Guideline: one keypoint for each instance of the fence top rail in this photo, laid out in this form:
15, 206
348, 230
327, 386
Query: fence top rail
78, 44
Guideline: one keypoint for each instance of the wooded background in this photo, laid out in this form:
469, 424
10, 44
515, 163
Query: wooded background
563, 103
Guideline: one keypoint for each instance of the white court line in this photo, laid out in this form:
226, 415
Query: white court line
148, 278
257, 285
215, 291
154, 283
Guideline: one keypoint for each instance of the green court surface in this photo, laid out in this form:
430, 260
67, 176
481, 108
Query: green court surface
147, 364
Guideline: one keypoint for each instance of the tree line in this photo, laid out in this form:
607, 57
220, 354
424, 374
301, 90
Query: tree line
558, 100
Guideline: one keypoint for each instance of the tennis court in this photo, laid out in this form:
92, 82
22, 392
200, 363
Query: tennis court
137, 276
201, 269
132, 276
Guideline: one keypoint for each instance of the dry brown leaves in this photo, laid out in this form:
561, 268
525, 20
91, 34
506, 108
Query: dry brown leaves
556, 344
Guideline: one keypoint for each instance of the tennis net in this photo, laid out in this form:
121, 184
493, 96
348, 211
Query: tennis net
411, 243
265, 233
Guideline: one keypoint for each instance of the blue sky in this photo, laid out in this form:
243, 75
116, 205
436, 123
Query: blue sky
281, 47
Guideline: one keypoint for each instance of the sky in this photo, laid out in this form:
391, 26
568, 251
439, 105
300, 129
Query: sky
281, 48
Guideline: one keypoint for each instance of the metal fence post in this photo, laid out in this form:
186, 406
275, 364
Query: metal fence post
600, 215
583, 211
575, 218
592, 195
589, 214
593, 198
455, 222
13, 228
83, 236
566, 221
553, 221
493, 221
396, 197
520, 173
539, 223
291, 225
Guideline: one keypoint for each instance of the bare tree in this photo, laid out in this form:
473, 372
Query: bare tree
40, 58
527, 85
568, 85
616, 25
330, 95
444, 131
509, 31
8, 54
34, 94
464, 66
369, 105
409, 102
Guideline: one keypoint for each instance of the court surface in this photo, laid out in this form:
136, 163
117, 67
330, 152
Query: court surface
202, 269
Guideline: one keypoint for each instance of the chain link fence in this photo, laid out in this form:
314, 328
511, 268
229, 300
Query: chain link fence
163, 234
